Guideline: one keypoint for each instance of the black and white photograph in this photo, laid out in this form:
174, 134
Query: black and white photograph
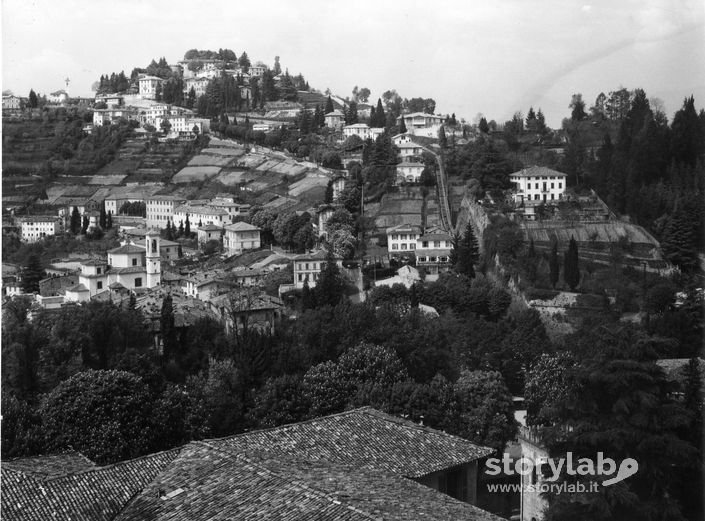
376, 260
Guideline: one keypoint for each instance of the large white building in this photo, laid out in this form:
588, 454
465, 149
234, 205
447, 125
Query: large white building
36, 228
538, 184
160, 209
421, 124
308, 267
409, 171
199, 215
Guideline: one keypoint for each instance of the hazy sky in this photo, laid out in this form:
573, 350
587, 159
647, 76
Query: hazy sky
488, 56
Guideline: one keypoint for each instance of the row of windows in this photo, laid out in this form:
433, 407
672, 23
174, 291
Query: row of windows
432, 259
403, 236
412, 246
309, 266
314, 276
538, 186
538, 196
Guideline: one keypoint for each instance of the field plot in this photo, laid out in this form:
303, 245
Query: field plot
290, 169
307, 183
209, 160
250, 161
224, 151
400, 208
223, 143
107, 179
191, 174
268, 165
232, 178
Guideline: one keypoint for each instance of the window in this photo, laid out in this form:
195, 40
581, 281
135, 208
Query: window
395, 246
134, 262
560, 185
437, 244
412, 246
138, 282
301, 277
100, 285
403, 246
424, 244
98, 270
403, 237
552, 185
395, 237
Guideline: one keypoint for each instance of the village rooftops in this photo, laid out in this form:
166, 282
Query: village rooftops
202, 210
351, 466
538, 171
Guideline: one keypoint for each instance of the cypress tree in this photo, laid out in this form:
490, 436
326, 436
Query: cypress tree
84, 226
187, 227
75, 223
33, 101
32, 274
168, 330
181, 228
109, 220
330, 286
329, 106
402, 126
554, 265
103, 218
308, 300
571, 268
679, 241
169, 231
442, 138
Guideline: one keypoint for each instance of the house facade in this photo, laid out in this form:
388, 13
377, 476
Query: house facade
148, 86
241, 236
402, 239
36, 228
409, 171
308, 267
160, 209
433, 250
361, 130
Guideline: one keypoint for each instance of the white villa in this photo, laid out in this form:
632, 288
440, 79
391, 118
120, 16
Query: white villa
538, 184
241, 236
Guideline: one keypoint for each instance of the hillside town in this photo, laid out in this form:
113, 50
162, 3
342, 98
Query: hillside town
230, 295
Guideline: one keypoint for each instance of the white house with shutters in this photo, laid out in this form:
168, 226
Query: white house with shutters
538, 184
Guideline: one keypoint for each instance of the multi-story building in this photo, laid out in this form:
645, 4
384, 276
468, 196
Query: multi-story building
401, 239
421, 124
433, 250
209, 232
198, 215
113, 115
241, 236
308, 267
35, 228
197, 84
538, 184
160, 209
148, 86
335, 119
11, 103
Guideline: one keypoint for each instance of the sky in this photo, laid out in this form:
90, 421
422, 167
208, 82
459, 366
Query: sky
493, 57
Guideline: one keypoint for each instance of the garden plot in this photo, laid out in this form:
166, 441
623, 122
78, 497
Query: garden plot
191, 174
210, 160
232, 152
250, 161
307, 183
223, 143
290, 169
232, 178
268, 165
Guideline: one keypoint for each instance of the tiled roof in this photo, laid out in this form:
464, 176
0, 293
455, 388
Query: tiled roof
537, 171
210, 228
363, 437
404, 228
50, 466
205, 482
125, 271
127, 248
92, 495
241, 227
77, 287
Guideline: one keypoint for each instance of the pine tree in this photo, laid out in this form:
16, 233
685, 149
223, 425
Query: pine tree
329, 105
307, 297
109, 220
75, 223
571, 268
181, 229
679, 241
187, 227
169, 231
554, 265
33, 101
103, 218
468, 252
380, 116
180, 251
32, 273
